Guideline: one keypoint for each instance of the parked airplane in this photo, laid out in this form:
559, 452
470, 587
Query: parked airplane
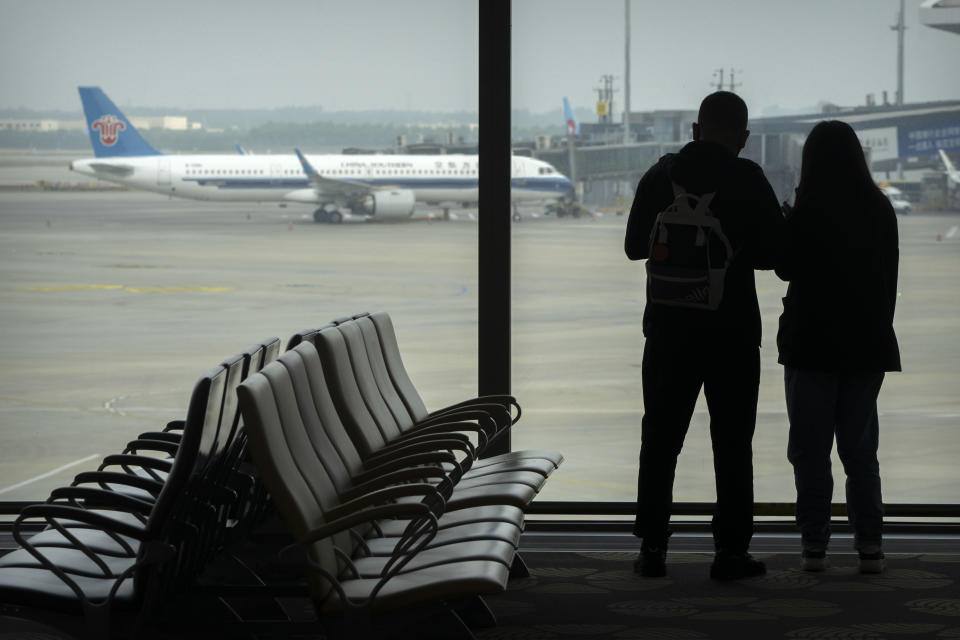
373, 187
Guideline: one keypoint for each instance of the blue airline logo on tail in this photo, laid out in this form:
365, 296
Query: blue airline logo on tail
111, 134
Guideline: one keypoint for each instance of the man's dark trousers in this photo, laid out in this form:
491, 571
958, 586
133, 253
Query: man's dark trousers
673, 372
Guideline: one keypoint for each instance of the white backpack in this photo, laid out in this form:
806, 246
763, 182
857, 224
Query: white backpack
688, 254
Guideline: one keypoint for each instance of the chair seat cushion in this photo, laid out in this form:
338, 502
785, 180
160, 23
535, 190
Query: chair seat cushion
433, 584
71, 561
41, 588
501, 531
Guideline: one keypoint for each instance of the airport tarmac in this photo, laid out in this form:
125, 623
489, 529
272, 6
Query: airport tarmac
112, 304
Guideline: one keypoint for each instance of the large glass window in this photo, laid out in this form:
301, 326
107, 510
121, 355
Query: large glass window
578, 301
114, 302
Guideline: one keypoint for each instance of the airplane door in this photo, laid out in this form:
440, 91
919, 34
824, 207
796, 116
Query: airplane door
163, 171
275, 174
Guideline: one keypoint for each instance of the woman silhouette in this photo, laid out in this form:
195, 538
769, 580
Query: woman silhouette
836, 337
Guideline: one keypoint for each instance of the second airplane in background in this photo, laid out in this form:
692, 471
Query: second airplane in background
370, 186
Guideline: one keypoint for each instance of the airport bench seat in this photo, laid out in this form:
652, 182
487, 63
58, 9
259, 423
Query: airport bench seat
343, 577
73, 579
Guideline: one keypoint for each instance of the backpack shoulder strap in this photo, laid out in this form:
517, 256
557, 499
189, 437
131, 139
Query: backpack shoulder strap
703, 202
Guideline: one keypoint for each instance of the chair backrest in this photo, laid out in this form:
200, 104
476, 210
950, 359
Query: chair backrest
174, 504
322, 423
398, 373
271, 349
307, 335
283, 453
368, 435
392, 414
229, 413
371, 341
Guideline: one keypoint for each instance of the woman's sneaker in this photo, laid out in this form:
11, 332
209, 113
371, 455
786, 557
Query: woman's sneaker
733, 566
813, 560
871, 559
651, 562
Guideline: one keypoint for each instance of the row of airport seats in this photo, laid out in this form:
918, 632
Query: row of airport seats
403, 519
119, 540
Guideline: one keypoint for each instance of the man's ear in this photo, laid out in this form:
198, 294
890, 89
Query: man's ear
743, 140
695, 126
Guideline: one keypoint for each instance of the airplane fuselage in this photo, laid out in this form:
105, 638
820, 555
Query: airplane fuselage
433, 179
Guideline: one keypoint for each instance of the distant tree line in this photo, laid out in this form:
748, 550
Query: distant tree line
271, 137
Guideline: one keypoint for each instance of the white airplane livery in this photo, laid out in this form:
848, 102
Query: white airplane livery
953, 174
372, 187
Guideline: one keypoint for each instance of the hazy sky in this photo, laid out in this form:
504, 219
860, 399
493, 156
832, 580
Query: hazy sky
422, 54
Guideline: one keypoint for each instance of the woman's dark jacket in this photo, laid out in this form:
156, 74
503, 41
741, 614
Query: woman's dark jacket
840, 256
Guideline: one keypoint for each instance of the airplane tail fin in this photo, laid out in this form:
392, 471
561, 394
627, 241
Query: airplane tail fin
111, 134
573, 127
952, 170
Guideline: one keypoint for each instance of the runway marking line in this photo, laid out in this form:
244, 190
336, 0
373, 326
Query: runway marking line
120, 287
50, 473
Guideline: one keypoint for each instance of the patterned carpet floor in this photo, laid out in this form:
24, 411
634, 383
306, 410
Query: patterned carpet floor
596, 595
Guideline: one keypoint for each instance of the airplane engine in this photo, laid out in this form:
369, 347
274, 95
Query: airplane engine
397, 203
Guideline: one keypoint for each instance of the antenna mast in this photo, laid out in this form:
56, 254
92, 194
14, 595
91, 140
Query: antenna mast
720, 81
733, 84
900, 27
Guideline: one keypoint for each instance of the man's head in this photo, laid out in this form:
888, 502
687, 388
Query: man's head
722, 119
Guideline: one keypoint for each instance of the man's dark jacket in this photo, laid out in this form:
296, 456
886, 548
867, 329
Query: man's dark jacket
841, 257
751, 219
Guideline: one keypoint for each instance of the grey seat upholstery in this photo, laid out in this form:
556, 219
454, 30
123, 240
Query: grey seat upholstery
301, 385
308, 500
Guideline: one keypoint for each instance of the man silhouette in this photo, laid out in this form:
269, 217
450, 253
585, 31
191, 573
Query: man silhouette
718, 350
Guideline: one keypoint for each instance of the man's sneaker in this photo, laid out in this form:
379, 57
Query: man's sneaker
813, 560
733, 566
871, 559
651, 562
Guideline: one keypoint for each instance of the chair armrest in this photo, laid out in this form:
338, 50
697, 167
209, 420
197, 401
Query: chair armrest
99, 498
175, 425
409, 510
51, 512
402, 449
416, 438
494, 416
452, 427
378, 497
165, 436
103, 478
501, 400
430, 457
393, 478
133, 460
151, 445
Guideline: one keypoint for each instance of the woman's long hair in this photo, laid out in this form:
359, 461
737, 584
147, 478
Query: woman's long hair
834, 168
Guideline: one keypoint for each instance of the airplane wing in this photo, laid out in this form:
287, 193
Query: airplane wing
330, 186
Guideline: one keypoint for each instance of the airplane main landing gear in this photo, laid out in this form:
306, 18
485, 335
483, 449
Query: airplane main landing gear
331, 217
